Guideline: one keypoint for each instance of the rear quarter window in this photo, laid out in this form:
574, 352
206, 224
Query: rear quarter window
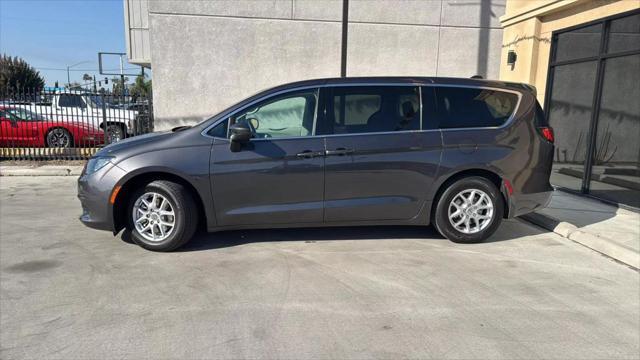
458, 107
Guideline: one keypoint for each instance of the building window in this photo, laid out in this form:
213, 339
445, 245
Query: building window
592, 104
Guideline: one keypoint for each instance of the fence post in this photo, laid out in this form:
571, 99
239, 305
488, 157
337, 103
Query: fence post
104, 119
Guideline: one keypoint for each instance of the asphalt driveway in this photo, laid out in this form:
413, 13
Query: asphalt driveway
67, 291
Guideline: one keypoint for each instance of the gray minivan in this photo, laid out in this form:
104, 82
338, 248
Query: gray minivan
461, 154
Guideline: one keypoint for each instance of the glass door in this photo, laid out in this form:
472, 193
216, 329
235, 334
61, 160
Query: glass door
592, 103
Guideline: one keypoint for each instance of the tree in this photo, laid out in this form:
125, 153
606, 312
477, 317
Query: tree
17, 75
87, 77
141, 87
75, 86
118, 87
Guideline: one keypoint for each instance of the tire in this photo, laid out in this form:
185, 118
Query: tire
483, 220
58, 138
185, 218
115, 133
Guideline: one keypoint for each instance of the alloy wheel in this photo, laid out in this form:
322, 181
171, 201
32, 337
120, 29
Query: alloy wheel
58, 138
153, 217
471, 211
114, 133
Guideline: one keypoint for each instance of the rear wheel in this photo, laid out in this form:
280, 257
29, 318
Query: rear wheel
115, 133
469, 210
59, 138
162, 216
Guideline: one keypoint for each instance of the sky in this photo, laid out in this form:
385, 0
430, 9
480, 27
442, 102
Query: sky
54, 34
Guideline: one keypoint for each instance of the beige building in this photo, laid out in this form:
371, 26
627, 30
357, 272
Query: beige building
583, 56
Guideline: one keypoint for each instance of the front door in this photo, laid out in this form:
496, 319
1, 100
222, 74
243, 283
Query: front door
379, 164
277, 178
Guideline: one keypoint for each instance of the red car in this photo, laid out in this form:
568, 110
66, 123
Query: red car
20, 127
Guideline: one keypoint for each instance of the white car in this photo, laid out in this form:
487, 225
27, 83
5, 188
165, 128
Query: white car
89, 109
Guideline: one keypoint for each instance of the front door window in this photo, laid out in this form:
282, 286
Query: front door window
290, 115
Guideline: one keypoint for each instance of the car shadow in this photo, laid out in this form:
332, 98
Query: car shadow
508, 230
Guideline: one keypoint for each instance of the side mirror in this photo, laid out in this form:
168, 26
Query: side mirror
240, 134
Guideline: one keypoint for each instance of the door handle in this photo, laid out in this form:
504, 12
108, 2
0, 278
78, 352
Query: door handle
308, 154
339, 152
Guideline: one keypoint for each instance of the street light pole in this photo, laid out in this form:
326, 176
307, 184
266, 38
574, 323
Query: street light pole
68, 73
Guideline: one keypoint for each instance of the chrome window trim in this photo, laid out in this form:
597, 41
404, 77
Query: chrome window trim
340, 135
507, 123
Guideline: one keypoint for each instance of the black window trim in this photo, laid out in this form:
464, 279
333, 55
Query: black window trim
226, 117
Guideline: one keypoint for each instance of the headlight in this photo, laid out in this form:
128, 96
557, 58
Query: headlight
96, 163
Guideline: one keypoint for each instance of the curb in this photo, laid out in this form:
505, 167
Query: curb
602, 245
40, 171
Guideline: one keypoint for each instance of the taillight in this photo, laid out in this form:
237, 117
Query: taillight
547, 133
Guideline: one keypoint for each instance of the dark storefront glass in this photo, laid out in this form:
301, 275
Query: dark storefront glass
570, 116
592, 74
616, 172
624, 34
580, 43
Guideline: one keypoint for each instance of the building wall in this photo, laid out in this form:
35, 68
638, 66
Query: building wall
136, 19
527, 30
206, 55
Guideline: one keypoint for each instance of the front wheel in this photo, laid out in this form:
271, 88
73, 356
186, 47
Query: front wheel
162, 216
469, 210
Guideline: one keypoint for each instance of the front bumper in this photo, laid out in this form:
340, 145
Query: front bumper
94, 191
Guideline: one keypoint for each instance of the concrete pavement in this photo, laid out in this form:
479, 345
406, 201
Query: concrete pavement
607, 229
69, 292
41, 170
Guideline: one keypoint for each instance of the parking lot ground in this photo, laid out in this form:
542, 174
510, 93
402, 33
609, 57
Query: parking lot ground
67, 291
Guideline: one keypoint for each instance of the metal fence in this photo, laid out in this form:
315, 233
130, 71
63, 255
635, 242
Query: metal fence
68, 124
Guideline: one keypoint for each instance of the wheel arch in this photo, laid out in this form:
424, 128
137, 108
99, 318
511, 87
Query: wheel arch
488, 174
128, 186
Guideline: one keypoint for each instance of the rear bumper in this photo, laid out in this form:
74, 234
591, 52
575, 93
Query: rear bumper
520, 204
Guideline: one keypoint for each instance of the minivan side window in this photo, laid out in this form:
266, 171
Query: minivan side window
461, 107
371, 109
288, 115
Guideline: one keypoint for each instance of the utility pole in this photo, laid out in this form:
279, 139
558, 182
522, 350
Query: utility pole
122, 76
345, 30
